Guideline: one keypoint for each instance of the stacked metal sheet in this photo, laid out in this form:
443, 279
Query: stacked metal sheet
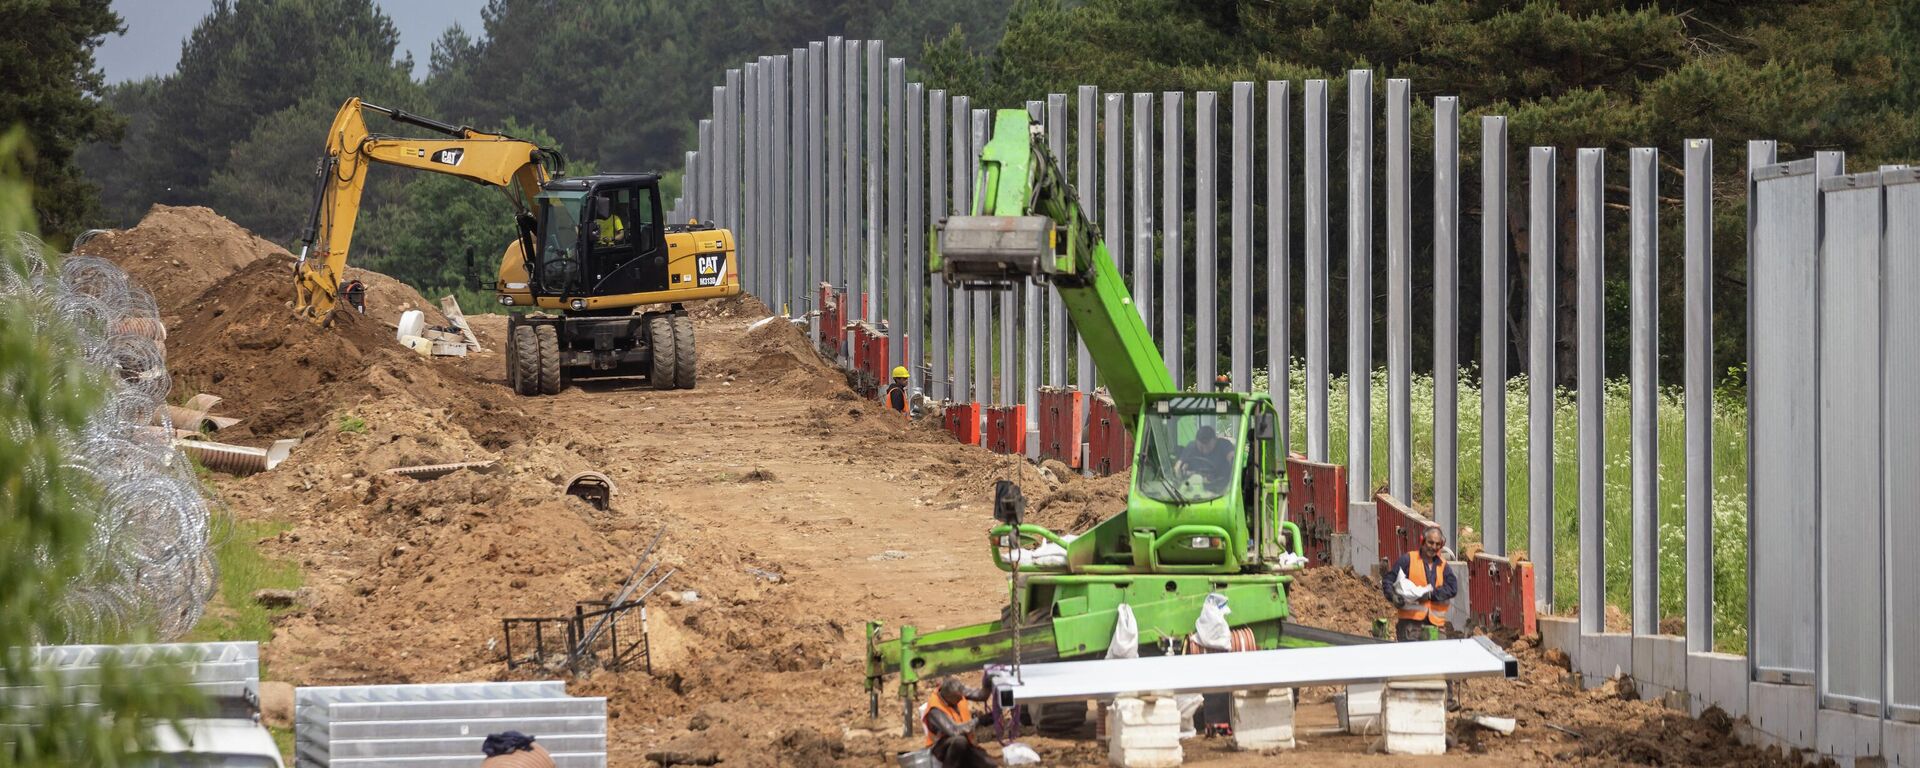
217, 669
443, 724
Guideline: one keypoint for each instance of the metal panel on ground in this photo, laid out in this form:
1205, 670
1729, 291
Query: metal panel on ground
1902, 440
1852, 611
1782, 415
1259, 670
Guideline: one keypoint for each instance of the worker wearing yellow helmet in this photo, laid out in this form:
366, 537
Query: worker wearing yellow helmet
896, 396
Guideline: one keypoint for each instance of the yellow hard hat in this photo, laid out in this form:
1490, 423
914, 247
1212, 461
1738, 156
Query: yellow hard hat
899, 371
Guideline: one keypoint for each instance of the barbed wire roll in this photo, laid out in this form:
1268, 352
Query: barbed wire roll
150, 562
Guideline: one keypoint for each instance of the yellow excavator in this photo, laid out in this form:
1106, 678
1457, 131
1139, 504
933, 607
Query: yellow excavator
590, 251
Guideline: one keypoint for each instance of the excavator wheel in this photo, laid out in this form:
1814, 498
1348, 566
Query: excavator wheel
665, 352
686, 357
523, 361
549, 340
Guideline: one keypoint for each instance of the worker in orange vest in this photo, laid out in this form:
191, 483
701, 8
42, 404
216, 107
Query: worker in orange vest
950, 724
1422, 614
896, 397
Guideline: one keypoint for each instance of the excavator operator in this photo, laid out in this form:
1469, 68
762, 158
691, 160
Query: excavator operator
611, 228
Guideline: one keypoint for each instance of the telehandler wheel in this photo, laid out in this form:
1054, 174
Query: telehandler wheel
1064, 718
686, 357
550, 382
523, 361
660, 335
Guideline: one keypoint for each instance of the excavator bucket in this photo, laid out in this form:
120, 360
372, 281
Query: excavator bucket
995, 250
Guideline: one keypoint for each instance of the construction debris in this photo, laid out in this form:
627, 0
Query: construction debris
414, 334
451, 308
593, 488
236, 459
437, 471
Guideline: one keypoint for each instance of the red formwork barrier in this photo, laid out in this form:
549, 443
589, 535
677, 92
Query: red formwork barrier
1062, 414
1500, 594
1400, 527
962, 420
1109, 449
865, 363
833, 320
1007, 429
1317, 502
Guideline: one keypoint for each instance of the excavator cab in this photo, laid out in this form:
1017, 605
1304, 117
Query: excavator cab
599, 236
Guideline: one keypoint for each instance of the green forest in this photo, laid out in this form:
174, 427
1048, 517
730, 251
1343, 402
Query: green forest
620, 85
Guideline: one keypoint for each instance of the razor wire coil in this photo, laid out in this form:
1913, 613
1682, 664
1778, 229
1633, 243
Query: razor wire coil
150, 558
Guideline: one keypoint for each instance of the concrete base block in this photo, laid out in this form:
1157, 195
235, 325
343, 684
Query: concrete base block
1144, 732
1262, 719
1659, 665
1844, 735
1717, 680
1460, 611
1414, 717
1604, 657
1363, 523
1359, 707
1033, 444
1342, 544
1562, 634
1783, 715
1900, 744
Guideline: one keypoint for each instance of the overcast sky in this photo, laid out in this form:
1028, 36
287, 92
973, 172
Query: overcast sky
155, 29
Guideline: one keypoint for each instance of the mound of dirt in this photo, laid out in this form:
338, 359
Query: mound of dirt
177, 253
287, 377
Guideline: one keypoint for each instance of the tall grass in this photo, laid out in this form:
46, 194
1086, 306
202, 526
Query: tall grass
1729, 493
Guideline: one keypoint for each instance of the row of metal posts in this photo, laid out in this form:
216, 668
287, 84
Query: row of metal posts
831, 168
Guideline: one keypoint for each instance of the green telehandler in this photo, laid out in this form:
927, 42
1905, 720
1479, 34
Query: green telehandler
1197, 521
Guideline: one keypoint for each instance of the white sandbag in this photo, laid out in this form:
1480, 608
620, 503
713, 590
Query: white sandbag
1018, 754
1409, 593
1189, 704
1211, 629
1126, 634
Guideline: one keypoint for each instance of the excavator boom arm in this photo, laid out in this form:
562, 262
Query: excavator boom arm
518, 166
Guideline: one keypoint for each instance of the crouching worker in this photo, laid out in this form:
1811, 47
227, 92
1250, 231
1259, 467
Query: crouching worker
950, 725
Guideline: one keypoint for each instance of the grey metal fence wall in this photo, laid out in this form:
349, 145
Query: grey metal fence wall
832, 168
